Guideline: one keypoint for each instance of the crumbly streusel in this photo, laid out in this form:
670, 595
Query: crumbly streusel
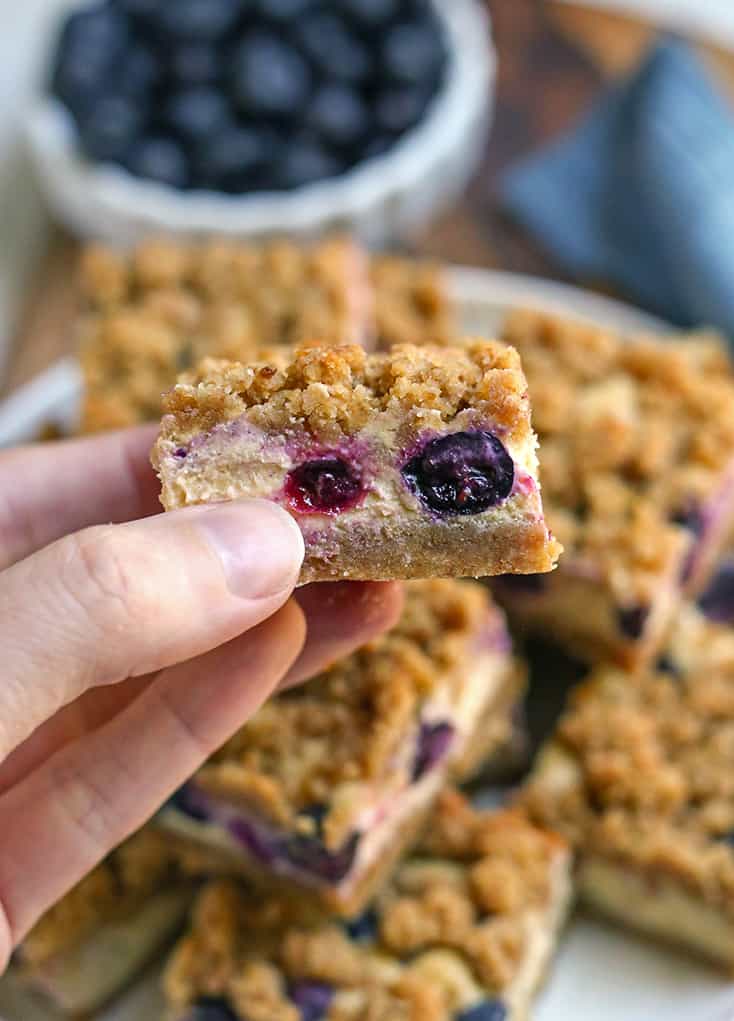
450, 930
318, 743
151, 315
412, 303
634, 435
640, 770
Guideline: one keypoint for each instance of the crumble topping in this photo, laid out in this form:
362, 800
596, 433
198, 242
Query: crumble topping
412, 305
635, 435
153, 314
116, 888
320, 744
640, 768
442, 936
336, 390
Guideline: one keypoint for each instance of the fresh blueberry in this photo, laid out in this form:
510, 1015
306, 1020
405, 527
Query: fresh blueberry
370, 14
139, 72
233, 159
199, 20
304, 162
97, 28
109, 129
413, 53
377, 146
338, 115
463, 473
399, 109
143, 10
269, 77
211, 1008
632, 620
312, 999
717, 602
90, 45
192, 64
335, 51
434, 741
161, 160
195, 114
324, 486
363, 929
487, 1010
283, 10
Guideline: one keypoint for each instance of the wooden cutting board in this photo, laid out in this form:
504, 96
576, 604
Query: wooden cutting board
554, 60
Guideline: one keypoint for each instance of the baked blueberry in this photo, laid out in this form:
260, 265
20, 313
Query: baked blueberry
399, 109
192, 64
337, 114
462, 473
334, 50
364, 928
316, 813
434, 741
717, 602
487, 1010
305, 161
413, 53
194, 114
109, 129
311, 856
159, 159
199, 20
233, 159
632, 620
311, 998
211, 1008
269, 77
189, 801
326, 485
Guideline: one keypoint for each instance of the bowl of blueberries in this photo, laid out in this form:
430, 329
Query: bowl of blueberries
253, 117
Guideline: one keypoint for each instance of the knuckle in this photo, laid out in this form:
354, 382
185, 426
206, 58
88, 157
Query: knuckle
109, 578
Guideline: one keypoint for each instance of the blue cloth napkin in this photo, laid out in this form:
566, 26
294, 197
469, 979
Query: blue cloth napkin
642, 192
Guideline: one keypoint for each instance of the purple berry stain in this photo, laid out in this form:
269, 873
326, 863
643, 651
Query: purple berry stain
463, 473
327, 485
313, 999
434, 741
487, 1010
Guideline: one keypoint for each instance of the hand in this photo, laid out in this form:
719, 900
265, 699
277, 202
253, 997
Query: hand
131, 651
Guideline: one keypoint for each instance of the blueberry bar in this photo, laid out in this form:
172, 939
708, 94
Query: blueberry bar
416, 463
328, 784
412, 302
150, 315
639, 777
98, 937
637, 467
464, 931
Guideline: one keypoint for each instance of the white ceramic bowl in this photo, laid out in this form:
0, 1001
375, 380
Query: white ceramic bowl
379, 200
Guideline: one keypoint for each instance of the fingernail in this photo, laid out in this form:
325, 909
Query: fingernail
259, 545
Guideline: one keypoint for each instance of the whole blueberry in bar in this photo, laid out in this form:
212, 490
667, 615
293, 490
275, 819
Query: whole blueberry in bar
327, 785
637, 469
415, 463
110, 926
638, 777
464, 930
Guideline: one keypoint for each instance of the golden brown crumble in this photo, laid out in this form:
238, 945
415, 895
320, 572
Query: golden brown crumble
154, 313
634, 434
114, 889
412, 304
434, 948
330, 740
640, 768
335, 391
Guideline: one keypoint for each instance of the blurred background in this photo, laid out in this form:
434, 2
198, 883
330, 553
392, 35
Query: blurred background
554, 60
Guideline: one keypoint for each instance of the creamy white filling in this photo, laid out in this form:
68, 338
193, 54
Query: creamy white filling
85, 976
660, 908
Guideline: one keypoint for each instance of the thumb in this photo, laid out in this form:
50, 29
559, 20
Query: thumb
118, 601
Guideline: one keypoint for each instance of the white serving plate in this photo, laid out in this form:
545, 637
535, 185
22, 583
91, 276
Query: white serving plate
601, 973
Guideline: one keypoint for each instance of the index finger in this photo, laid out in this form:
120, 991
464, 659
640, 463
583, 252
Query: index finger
48, 490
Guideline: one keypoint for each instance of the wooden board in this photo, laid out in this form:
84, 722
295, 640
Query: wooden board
554, 60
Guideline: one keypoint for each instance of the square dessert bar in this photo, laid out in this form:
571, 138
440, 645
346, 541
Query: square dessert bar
637, 468
150, 315
416, 463
640, 777
464, 931
412, 303
328, 784
98, 937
